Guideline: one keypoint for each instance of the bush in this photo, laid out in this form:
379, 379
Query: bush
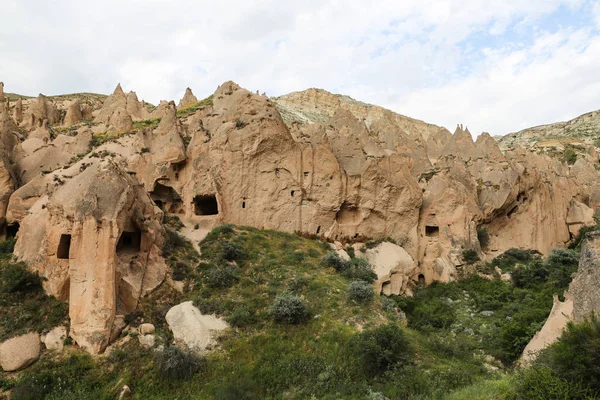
381, 349
240, 317
15, 278
289, 309
221, 277
360, 269
231, 252
173, 363
172, 241
333, 260
575, 357
360, 291
8, 246
540, 383
470, 256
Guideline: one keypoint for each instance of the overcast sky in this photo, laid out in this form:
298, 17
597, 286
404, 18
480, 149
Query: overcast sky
493, 65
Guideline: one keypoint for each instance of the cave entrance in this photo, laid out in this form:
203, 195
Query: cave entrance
206, 205
12, 230
166, 198
432, 231
348, 214
64, 247
421, 278
129, 242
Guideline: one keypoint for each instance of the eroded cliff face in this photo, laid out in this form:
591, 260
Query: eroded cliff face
97, 168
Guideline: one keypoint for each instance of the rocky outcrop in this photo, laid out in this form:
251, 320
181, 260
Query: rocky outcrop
196, 331
188, 99
55, 339
396, 270
74, 114
19, 352
584, 288
39, 111
94, 233
561, 314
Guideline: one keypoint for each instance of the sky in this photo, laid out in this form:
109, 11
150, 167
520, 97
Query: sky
493, 65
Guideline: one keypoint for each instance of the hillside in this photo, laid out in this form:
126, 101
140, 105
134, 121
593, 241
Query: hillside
583, 130
261, 239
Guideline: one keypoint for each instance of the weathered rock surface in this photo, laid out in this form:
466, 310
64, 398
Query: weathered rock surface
94, 233
395, 268
198, 332
19, 352
54, 340
188, 99
561, 314
310, 161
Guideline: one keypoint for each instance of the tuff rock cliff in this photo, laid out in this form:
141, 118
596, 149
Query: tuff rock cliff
86, 179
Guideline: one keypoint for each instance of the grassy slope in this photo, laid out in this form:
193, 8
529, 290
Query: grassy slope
450, 341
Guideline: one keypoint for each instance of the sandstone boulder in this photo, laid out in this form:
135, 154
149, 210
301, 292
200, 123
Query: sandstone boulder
395, 268
190, 327
19, 352
54, 340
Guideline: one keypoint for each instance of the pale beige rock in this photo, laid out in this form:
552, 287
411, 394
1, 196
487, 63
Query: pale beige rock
54, 340
561, 314
189, 326
395, 268
188, 99
95, 234
147, 340
146, 329
74, 114
19, 352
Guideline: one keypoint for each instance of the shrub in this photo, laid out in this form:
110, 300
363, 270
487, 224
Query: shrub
289, 308
8, 246
173, 363
540, 383
181, 271
333, 260
15, 278
381, 349
360, 269
231, 252
575, 357
221, 277
470, 256
360, 291
240, 317
569, 156
172, 241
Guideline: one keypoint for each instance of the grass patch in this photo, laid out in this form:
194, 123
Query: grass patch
192, 108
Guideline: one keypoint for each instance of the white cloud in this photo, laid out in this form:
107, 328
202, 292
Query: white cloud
409, 55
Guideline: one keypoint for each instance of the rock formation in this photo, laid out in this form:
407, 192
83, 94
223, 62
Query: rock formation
188, 99
312, 162
94, 233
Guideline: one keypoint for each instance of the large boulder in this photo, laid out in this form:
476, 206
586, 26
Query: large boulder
190, 327
54, 340
19, 352
395, 268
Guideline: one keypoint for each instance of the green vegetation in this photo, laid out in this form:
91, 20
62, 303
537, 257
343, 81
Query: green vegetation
23, 305
150, 123
498, 318
192, 108
307, 324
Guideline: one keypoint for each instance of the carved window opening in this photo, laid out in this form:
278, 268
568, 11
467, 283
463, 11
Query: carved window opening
129, 242
12, 230
318, 230
206, 205
64, 247
432, 231
421, 278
